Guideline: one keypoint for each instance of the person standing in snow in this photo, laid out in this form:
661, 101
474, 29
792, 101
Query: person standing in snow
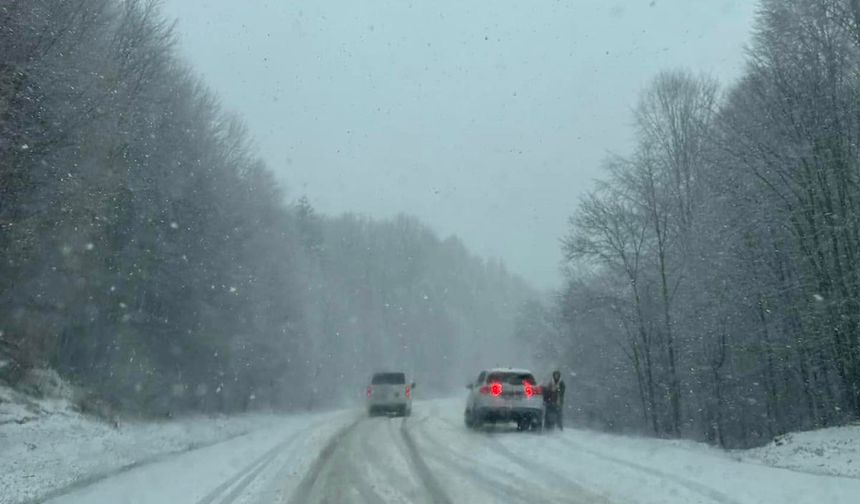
553, 398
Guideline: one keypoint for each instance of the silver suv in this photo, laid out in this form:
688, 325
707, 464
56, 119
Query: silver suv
505, 395
389, 393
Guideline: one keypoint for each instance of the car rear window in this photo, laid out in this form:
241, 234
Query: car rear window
388, 379
511, 378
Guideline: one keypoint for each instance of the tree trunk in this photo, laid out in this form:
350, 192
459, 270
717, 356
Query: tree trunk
674, 384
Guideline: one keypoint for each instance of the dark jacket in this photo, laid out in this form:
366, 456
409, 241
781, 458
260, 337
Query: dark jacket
553, 392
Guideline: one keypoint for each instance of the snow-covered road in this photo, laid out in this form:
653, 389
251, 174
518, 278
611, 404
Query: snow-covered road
431, 457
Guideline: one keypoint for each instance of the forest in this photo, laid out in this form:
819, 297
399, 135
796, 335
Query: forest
713, 274
711, 277
151, 258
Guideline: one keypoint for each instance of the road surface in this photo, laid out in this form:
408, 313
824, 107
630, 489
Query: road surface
431, 457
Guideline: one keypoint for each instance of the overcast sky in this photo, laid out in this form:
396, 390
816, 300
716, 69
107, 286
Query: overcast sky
485, 118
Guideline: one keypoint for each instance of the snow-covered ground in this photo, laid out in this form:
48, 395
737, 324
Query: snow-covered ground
430, 457
47, 448
834, 452
620, 469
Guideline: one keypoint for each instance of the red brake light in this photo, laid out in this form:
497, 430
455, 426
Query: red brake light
369, 391
408, 391
528, 389
494, 389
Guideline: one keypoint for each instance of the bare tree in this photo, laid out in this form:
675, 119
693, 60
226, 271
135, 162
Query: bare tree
609, 228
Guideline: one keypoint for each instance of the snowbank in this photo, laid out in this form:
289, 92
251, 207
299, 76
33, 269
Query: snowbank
46, 447
832, 452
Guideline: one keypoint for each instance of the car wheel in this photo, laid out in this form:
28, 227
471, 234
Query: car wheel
477, 421
523, 424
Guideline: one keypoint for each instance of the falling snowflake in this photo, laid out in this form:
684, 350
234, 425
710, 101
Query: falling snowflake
232, 289
89, 246
174, 225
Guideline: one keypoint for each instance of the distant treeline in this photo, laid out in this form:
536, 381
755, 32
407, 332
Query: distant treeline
714, 273
147, 254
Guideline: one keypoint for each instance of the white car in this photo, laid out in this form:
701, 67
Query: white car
389, 393
505, 395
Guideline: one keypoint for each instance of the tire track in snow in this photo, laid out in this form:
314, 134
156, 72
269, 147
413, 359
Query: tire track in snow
543, 471
258, 464
502, 490
346, 476
245, 476
691, 485
408, 490
434, 489
242, 479
93, 479
582, 495
403, 449
302, 494
351, 474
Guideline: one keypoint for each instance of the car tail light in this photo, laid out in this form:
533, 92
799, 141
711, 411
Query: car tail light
369, 391
494, 389
528, 389
408, 392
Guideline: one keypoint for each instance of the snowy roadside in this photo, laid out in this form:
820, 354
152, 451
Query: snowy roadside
47, 450
620, 468
832, 452
46, 447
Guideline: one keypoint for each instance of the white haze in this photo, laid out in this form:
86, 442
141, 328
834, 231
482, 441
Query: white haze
485, 119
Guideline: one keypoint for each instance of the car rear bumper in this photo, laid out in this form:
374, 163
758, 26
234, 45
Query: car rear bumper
504, 414
392, 404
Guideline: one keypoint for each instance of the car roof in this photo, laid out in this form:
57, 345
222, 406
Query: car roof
387, 373
509, 370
